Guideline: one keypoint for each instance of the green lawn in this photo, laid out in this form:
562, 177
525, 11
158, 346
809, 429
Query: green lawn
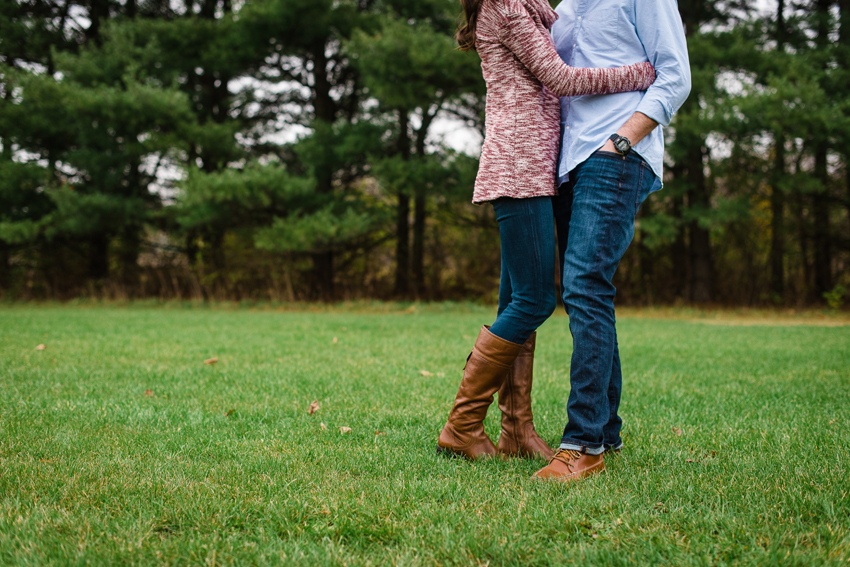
736, 443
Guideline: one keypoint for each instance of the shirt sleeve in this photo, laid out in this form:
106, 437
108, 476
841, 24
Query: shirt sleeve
535, 50
660, 30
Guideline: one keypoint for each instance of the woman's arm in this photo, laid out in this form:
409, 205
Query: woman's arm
520, 34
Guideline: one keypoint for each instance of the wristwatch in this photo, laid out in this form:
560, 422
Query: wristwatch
621, 144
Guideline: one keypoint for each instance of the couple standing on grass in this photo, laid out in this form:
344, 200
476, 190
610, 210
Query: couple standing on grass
610, 159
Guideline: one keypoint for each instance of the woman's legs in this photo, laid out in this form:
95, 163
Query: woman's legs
527, 298
527, 290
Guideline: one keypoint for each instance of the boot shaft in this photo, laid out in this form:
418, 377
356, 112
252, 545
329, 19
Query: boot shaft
484, 373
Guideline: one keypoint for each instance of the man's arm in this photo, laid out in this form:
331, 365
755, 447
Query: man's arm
660, 29
638, 127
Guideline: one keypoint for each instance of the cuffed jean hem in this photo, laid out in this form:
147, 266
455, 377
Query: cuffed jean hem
587, 449
616, 447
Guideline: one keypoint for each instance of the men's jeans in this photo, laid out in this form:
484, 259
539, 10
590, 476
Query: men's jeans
527, 290
595, 216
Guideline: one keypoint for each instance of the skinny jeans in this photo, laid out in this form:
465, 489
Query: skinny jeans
527, 292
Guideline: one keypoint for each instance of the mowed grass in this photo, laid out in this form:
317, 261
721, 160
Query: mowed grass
737, 444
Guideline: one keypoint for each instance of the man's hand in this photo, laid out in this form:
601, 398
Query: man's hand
638, 127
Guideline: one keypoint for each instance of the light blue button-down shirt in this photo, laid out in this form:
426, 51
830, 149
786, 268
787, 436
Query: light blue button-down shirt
611, 33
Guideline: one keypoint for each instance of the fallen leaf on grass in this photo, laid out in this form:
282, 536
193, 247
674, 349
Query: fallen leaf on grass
211, 361
831, 422
426, 373
677, 431
323, 426
380, 433
336, 340
230, 412
314, 407
41, 347
691, 461
149, 392
594, 536
344, 429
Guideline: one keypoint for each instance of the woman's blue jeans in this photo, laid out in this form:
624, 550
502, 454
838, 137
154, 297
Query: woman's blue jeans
595, 215
527, 290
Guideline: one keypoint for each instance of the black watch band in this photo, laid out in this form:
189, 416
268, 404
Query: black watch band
621, 144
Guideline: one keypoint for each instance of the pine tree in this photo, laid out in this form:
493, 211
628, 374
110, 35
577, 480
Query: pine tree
411, 66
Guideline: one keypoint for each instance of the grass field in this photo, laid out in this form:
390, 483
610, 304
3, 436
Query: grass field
737, 443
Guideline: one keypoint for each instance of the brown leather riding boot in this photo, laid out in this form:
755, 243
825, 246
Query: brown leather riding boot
518, 438
569, 466
485, 370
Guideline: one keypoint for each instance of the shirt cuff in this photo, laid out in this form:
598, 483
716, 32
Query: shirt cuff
656, 109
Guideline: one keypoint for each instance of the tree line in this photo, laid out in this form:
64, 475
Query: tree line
289, 150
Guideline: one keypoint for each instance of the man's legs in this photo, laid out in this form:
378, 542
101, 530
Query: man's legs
595, 215
611, 432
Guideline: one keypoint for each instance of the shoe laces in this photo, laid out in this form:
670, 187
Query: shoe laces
566, 456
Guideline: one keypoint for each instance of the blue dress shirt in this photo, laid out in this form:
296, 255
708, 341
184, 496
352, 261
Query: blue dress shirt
611, 33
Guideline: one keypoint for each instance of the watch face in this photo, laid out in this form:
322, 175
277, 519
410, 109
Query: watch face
622, 146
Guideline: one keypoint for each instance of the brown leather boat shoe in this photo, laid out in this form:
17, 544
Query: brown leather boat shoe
568, 466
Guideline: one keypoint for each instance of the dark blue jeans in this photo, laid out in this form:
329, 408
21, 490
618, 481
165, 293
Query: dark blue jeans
595, 216
527, 290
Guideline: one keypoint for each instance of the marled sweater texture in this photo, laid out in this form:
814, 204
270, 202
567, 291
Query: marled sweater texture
518, 57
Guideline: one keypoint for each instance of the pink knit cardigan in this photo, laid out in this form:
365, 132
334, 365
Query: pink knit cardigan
518, 58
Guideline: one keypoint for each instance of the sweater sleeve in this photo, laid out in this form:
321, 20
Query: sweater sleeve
520, 34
